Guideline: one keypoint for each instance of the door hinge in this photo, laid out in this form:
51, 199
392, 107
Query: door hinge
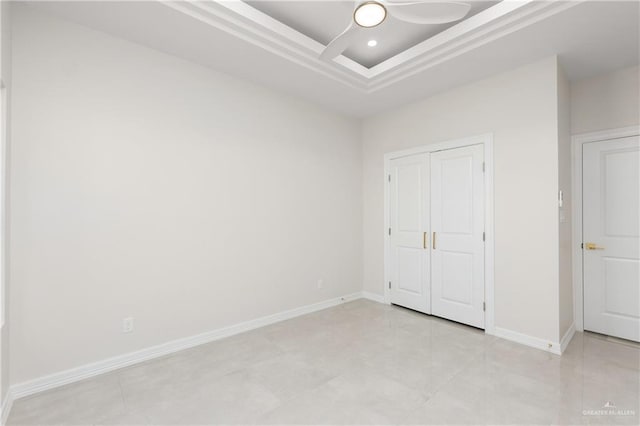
483, 236
389, 231
483, 167
484, 306
389, 178
389, 285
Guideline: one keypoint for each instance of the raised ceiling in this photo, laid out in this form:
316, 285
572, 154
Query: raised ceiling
324, 20
589, 37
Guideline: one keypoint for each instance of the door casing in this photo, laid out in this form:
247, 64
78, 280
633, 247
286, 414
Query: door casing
487, 142
576, 210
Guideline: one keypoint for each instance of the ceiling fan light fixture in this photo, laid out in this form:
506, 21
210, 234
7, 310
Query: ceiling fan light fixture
369, 14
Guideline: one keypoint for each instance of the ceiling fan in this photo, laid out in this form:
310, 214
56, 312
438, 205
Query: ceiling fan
369, 14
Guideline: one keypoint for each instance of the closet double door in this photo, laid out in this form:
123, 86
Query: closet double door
436, 233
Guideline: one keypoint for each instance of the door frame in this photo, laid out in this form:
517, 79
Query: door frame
577, 142
487, 142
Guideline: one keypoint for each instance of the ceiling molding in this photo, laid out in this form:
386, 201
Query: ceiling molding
251, 25
241, 20
489, 25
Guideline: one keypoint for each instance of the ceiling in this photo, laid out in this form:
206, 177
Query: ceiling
324, 20
589, 37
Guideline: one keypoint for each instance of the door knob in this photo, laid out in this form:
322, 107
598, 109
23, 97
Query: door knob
592, 246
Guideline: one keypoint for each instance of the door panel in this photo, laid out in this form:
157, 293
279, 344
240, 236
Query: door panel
621, 199
409, 219
611, 255
410, 270
619, 291
457, 277
457, 220
456, 197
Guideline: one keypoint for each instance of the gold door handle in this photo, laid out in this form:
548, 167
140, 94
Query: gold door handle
424, 240
433, 240
592, 246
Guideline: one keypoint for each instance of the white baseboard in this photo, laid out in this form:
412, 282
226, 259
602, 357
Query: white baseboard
566, 339
373, 296
503, 333
7, 403
86, 371
524, 339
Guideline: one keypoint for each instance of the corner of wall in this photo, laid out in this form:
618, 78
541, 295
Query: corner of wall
361, 124
565, 284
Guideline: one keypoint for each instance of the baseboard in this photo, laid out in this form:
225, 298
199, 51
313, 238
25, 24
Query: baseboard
86, 371
373, 296
566, 339
7, 403
524, 339
503, 333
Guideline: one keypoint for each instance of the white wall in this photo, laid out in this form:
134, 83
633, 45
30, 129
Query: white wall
565, 289
520, 109
605, 102
146, 186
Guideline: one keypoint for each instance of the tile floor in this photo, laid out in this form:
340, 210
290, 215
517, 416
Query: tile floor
357, 363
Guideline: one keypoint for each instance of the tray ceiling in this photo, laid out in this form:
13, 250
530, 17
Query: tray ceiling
235, 38
324, 20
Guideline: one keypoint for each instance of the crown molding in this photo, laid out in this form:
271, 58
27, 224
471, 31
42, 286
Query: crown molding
241, 20
491, 24
251, 25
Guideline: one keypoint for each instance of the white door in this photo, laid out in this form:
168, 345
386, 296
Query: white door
611, 255
409, 220
457, 225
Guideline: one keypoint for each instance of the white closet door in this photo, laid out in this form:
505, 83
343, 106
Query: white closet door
457, 222
611, 216
409, 231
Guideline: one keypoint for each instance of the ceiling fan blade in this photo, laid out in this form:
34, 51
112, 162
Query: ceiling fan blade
340, 43
427, 12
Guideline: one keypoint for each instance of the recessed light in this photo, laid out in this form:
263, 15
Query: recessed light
372, 43
369, 14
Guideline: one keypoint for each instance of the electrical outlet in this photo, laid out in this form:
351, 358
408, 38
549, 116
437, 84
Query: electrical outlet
127, 325
320, 283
